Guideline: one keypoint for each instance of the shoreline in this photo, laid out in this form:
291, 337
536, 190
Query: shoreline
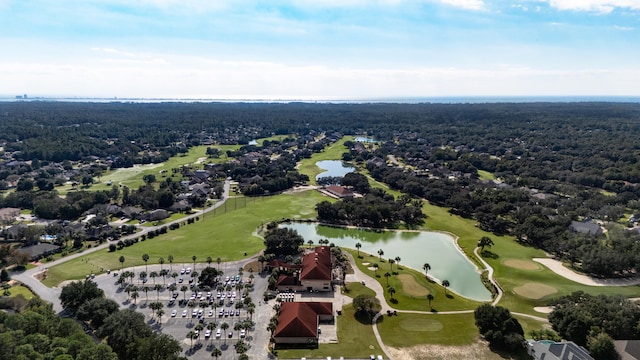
558, 268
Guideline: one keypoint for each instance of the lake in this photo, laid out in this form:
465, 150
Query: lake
413, 247
334, 168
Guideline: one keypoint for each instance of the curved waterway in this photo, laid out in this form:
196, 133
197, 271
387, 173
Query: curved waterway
334, 168
415, 248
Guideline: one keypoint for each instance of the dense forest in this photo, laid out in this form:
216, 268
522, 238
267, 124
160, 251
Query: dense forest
530, 170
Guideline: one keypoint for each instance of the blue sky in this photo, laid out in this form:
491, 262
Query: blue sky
322, 49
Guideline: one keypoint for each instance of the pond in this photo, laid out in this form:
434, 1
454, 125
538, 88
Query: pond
365, 139
414, 249
334, 168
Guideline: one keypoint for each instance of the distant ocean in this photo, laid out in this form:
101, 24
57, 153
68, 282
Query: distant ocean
396, 100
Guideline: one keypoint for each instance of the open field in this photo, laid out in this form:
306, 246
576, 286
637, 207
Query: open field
16, 290
332, 152
405, 330
355, 340
485, 175
227, 234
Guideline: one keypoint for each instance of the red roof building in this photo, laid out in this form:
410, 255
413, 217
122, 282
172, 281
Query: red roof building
340, 192
315, 273
298, 322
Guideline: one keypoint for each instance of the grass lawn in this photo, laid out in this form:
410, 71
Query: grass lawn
21, 290
355, 340
404, 330
227, 234
405, 299
485, 175
354, 289
332, 152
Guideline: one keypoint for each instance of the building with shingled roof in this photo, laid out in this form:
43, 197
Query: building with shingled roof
298, 322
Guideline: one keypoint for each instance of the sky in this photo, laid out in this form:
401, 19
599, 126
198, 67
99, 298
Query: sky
319, 49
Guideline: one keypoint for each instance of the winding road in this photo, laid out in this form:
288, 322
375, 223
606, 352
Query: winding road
51, 295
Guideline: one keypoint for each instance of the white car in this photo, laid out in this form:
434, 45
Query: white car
243, 333
182, 271
174, 313
184, 313
210, 314
218, 334
207, 334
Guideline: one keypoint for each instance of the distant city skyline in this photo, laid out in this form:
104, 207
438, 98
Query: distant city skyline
323, 49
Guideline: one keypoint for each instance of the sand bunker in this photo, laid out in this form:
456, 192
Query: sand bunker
543, 309
477, 351
411, 287
535, 290
366, 263
521, 264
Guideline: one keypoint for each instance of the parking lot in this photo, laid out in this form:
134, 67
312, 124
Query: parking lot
179, 318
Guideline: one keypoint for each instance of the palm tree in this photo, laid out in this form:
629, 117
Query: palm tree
173, 288
375, 268
194, 261
391, 291
212, 326
387, 275
184, 289
224, 326
153, 275
170, 258
445, 284
157, 288
243, 356
240, 346
161, 261
398, 260
209, 261
251, 308
199, 327
236, 327
484, 241
191, 335
121, 259
145, 258
134, 295
426, 268
391, 262
358, 246
218, 261
430, 298
143, 275
164, 273
262, 259
310, 242
216, 352
159, 313
380, 253
146, 289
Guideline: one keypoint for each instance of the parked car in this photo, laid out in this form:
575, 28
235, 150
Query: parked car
174, 313
230, 334
218, 334
184, 313
243, 333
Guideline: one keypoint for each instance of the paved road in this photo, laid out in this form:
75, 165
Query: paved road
51, 294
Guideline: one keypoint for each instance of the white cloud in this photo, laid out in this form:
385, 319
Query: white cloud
623, 28
466, 4
601, 6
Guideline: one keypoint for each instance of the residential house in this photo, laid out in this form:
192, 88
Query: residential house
551, 350
586, 227
39, 251
628, 349
155, 215
8, 215
298, 322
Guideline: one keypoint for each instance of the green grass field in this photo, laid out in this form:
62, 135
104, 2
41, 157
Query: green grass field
21, 290
227, 234
404, 330
485, 175
332, 152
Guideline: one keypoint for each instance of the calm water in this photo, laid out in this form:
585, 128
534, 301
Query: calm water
414, 249
335, 168
365, 139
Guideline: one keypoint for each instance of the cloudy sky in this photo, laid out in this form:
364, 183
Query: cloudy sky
319, 49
